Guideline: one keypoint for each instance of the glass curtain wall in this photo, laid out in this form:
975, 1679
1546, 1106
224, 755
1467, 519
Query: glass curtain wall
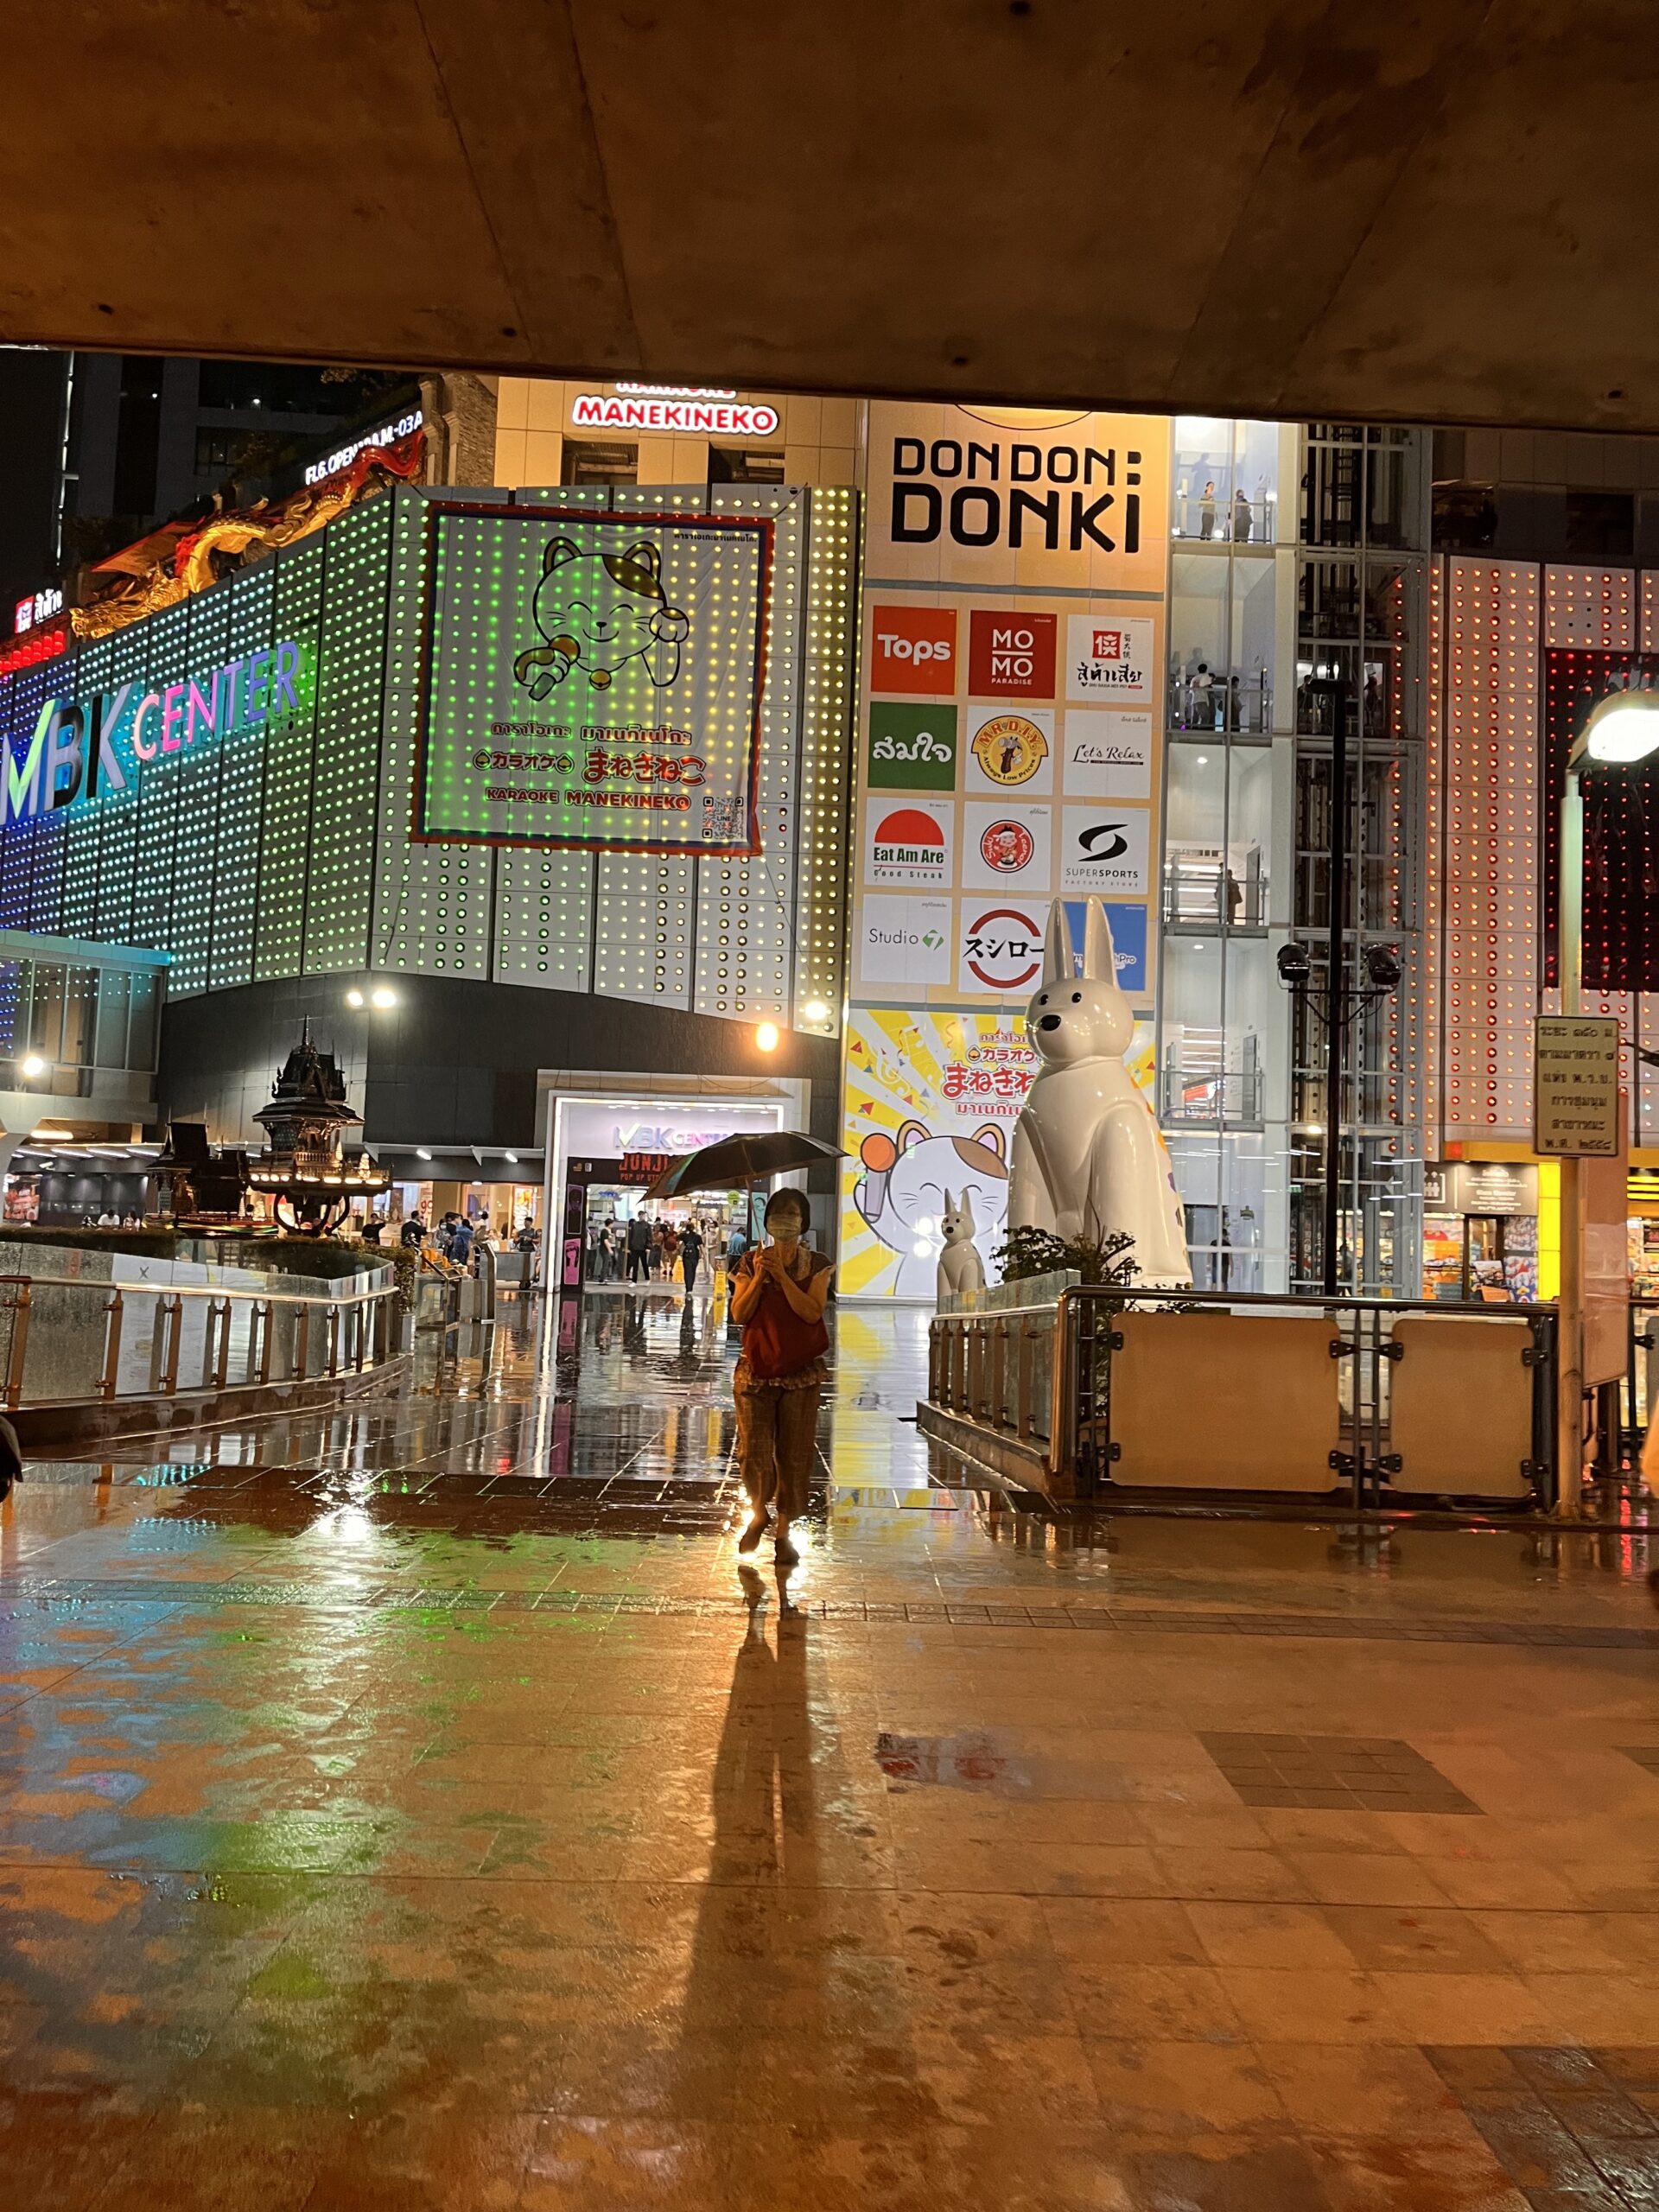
1298, 555
1361, 620
1222, 1052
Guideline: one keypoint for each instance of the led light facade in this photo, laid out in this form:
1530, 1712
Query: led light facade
290, 846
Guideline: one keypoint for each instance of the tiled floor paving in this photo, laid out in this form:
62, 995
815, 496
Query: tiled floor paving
424, 1805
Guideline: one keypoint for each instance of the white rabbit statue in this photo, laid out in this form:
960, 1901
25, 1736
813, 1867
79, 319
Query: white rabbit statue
960, 1265
1089, 1158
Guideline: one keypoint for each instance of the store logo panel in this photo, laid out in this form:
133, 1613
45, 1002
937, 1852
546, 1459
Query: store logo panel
1011, 751
1007, 848
1010, 655
904, 940
911, 748
913, 649
1000, 946
1106, 756
1104, 850
1109, 658
909, 842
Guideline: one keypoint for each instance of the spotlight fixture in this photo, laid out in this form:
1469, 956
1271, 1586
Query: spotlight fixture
1382, 965
34, 1064
815, 1010
1294, 966
353, 998
512, 1159
766, 1036
419, 1155
383, 997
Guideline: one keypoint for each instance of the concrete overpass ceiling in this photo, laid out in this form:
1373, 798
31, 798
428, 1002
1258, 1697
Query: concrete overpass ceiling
1428, 212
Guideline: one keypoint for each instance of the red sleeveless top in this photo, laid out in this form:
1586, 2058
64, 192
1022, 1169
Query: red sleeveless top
776, 1341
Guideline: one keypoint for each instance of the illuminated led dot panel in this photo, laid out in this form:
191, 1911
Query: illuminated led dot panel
1621, 835
282, 849
1483, 843
1589, 607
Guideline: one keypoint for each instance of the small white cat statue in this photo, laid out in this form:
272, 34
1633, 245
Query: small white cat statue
960, 1265
1089, 1158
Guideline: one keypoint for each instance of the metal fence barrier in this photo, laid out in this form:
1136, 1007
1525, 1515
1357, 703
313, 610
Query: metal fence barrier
1219, 1390
65, 1340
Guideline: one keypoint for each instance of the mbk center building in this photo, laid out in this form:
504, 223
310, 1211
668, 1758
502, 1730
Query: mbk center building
545, 803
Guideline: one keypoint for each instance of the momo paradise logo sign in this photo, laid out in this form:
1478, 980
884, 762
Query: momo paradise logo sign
913, 649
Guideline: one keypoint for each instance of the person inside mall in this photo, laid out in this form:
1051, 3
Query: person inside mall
778, 1296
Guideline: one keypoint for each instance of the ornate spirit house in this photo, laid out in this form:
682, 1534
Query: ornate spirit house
304, 1164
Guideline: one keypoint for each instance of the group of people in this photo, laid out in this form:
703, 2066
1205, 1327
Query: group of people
459, 1238
648, 1250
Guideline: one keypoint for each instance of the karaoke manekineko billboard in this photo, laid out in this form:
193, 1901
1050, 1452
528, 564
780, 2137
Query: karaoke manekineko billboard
930, 1103
592, 680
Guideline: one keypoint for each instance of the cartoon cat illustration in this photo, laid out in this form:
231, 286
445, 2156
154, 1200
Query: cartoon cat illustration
901, 1193
598, 611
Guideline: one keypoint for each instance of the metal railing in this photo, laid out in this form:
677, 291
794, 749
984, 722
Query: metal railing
1039, 1382
133, 1340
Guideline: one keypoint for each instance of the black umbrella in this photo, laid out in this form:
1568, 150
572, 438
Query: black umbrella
740, 1162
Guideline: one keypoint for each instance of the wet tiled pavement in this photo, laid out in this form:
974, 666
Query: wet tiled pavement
421, 1805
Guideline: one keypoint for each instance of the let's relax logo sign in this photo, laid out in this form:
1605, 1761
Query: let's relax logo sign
911, 748
82, 748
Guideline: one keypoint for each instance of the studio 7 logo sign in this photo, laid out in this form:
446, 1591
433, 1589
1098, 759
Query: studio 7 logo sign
1108, 660
1104, 850
913, 649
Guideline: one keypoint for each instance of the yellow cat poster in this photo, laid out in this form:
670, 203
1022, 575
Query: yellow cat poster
929, 1105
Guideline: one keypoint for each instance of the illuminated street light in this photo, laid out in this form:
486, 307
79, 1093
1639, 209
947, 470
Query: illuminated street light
766, 1036
1623, 726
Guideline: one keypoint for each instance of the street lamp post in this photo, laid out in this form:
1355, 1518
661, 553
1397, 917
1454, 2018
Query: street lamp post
1623, 727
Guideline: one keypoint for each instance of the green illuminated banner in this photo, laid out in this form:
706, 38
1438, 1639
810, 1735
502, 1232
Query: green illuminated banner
592, 680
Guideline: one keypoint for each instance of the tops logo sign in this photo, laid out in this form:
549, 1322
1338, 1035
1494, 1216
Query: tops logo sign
997, 491
704, 418
79, 749
913, 649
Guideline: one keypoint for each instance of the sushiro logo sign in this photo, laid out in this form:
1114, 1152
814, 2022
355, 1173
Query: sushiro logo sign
1001, 947
913, 649
1001, 491
82, 748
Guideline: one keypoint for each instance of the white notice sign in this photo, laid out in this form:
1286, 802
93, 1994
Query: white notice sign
1575, 1084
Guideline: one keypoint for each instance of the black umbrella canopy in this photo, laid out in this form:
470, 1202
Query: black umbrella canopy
736, 1162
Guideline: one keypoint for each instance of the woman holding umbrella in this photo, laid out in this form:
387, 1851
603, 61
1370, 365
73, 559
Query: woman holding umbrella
778, 1296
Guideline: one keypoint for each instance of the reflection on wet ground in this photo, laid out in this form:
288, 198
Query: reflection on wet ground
421, 1803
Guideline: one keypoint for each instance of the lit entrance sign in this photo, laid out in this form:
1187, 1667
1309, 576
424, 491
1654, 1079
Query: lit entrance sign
387, 434
704, 416
79, 749
38, 606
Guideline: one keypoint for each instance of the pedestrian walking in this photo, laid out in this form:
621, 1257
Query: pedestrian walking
778, 1291
606, 1252
691, 1256
460, 1242
638, 1248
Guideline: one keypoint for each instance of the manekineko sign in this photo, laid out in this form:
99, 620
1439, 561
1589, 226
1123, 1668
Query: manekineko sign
703, 418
